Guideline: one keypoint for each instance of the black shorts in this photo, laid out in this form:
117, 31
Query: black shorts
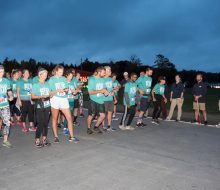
144, 104
95, 108
76, 103
109, 106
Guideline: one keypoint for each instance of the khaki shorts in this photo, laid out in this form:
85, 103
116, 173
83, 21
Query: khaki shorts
202, 106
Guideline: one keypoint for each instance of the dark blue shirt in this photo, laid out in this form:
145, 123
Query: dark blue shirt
177, 89
200, 89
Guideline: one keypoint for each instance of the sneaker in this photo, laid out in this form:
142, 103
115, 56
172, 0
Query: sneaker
7, 144
122, 127
97, 130
75, 124
129, 128
89, 131
167, 119
25, 130
113, 116
155, 121
104, 128
32, 129
56, 140
73, 139
46, 143
177, 120
65, 131
143, 125
205, 122
138, 125
111, 129
38, 144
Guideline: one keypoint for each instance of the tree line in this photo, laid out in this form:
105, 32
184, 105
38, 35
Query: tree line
162, 66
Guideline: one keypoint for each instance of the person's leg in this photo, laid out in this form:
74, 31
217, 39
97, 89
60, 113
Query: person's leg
124, 117
24, 112
75, 113
39, 131
172, 107
204, 113
160, 107
54, 115
71, 111
132, 111
31, 115
67, 114
163, 109
5, 115
179, 106
155, 109
46, 121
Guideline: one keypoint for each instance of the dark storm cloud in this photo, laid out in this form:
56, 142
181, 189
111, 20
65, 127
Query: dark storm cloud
65, 30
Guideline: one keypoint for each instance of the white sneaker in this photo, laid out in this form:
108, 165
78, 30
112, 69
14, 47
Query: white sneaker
122, 127
129, 128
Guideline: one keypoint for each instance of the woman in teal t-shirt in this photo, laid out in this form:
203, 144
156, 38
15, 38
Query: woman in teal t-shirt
158, 97
14, 107
41, 94
70, 95
5, 94
24, 87
59, 102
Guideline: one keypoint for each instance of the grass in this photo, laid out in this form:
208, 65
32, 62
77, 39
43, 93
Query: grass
212, 100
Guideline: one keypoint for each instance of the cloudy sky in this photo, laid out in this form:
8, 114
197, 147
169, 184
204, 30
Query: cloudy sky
185, 31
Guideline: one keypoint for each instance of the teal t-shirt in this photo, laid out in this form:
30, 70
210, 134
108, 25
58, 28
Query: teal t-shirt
95, 83
70, 94
57, 83
131, 90
144, 83
40, 89
35, 80
159, 89
25, 88
109, 86
13, 84
4, 87
115, 84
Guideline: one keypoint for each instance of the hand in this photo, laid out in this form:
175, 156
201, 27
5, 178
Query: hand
165, 100
1, 99
115, 101
141, 92
171, 99
196, 98
154, 100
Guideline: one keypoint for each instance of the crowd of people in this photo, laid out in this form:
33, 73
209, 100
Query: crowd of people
58, 96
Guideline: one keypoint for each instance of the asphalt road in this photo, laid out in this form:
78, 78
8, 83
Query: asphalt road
166, 157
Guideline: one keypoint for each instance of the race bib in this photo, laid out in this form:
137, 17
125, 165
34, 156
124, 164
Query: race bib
70, 96
61, 93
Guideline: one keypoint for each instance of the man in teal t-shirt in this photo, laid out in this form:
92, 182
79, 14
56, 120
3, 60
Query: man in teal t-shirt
130, 93
144, 89
109, 100
97, 91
